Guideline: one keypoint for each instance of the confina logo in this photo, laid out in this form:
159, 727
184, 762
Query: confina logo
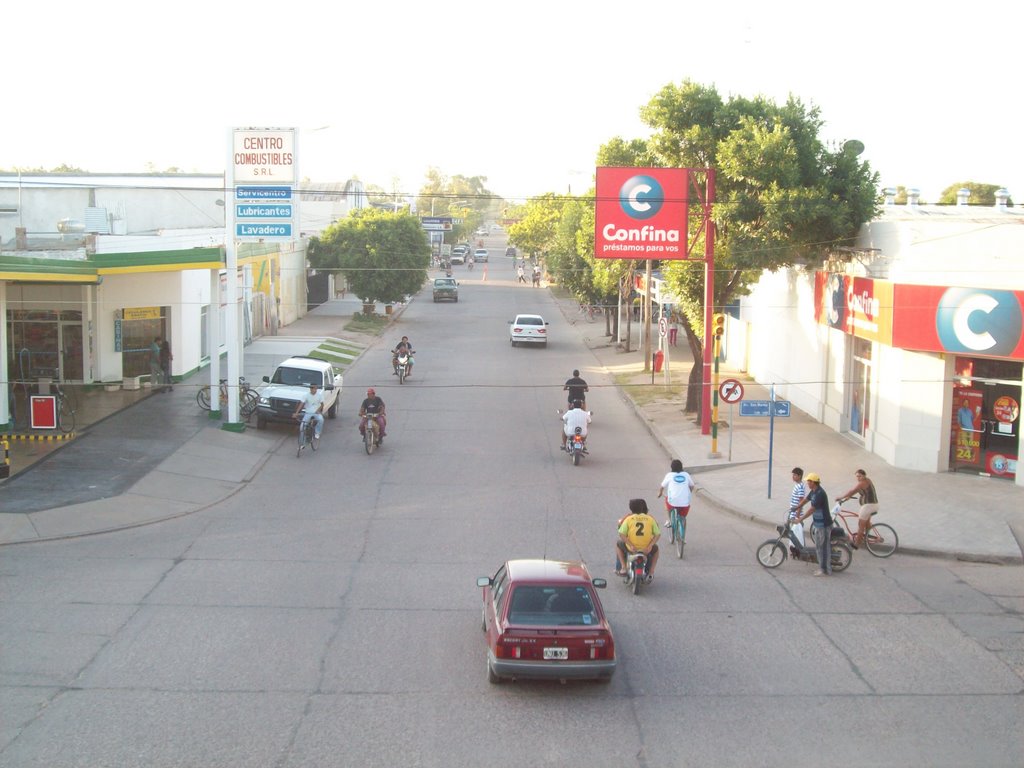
641, 197
978, 320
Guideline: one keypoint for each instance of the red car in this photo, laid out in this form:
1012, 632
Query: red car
543, 619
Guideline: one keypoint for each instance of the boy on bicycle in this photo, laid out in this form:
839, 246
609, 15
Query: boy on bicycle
677, 486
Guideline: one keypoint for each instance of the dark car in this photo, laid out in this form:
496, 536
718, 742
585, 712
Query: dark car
446, 288
543, 619
510, 251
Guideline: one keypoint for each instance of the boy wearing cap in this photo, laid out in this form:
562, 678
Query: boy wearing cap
821, 522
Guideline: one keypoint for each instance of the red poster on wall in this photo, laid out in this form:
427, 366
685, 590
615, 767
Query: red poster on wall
967, 427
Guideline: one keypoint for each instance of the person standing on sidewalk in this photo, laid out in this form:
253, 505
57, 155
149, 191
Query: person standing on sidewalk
673, 328
821, 525
868, 497
165, 365
156, 373
795, 497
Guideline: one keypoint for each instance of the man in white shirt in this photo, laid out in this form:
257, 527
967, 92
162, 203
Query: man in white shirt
571, 419
311, 405
677, 486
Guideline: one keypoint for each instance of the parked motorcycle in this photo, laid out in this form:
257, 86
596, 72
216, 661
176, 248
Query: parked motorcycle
636, 571
403, 367
773, 553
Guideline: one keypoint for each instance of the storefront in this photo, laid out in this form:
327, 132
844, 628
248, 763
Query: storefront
974, 338
134, 332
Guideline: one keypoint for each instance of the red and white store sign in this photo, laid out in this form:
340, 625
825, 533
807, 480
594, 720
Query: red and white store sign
977, 322
859, 306
980, 322
641, 213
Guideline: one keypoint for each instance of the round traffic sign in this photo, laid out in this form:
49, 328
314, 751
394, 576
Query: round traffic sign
731, 390
663, 326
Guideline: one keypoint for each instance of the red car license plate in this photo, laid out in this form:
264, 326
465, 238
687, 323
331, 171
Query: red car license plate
556, 654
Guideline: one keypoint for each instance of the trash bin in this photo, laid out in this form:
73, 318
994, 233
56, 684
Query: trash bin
659, 360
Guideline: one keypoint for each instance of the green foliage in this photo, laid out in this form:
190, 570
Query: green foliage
981, 194
384, 255
461, 197
782, 196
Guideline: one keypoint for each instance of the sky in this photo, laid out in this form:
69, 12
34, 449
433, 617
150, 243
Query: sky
523, 93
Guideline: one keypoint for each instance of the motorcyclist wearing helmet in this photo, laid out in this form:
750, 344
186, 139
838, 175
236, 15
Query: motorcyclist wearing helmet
571, 419
403, 346
373, 407
638, 532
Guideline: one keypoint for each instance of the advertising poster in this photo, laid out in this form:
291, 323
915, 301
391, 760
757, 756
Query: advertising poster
967, 427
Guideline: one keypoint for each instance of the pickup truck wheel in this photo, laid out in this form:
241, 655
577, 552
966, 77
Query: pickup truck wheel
332, 412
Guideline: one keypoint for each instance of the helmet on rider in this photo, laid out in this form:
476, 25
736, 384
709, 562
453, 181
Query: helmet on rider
638, 506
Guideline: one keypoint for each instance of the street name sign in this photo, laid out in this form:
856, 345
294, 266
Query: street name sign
764, 408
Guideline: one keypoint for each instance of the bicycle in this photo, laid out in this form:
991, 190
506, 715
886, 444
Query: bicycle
65, 409
677, 530
307, 435
247, 397
880, 539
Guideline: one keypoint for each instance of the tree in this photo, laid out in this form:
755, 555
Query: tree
383, 254
981, 194
782, 196
462, 197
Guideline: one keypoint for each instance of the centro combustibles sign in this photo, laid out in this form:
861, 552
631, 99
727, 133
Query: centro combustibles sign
641, 213
264, 155
264, 164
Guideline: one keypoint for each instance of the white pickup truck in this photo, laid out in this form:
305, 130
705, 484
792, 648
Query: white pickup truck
280, 397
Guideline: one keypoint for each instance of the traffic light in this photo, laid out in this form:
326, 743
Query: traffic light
717, 325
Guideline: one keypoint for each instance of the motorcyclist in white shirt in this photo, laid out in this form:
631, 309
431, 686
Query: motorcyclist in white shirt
571, 419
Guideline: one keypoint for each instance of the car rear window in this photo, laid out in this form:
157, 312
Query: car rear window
552, 606
529, 321
445, 282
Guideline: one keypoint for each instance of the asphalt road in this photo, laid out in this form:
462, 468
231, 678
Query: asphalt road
328, 613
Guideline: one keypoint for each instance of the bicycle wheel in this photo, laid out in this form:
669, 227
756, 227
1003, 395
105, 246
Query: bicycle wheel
842, 556
248, 405
302, 439
368, 440
314, 441
672, 527
881, 540
203, 397
680, 536
65, 417
771, 554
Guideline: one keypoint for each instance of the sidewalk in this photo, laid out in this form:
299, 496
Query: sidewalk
949, 515
125, 465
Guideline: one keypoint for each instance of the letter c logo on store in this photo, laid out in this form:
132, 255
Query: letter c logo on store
641, 197
979, 321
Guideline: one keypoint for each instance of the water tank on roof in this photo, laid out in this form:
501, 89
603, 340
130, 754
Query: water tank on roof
70, 226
